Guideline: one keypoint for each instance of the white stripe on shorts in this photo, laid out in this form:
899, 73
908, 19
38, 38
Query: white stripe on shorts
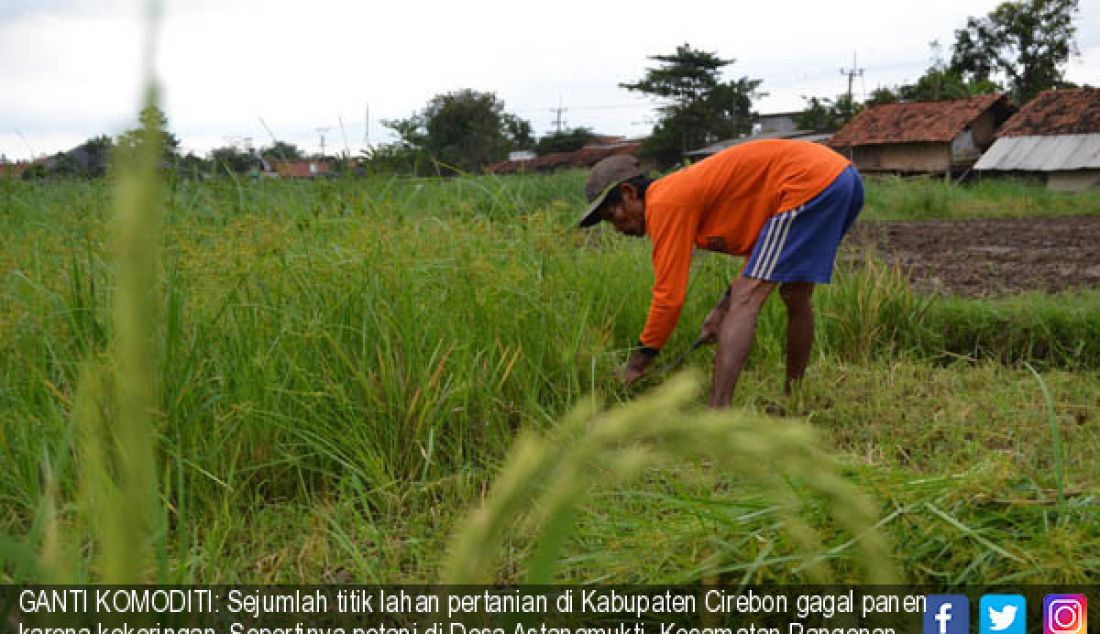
782, 242
778, 228
769, 239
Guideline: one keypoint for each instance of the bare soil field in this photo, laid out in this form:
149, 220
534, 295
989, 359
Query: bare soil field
989, 257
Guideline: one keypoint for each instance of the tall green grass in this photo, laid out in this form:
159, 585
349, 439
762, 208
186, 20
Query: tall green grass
97, 513
892, 198
364, 353
547, 478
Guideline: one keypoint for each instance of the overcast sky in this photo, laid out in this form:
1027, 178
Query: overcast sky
233, 70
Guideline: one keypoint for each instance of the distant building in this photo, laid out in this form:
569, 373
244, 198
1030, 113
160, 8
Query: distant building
607, 139
278, 168
9, 169
777, 123
584, 157
1055, 136
13, 170
800, 135
933, 137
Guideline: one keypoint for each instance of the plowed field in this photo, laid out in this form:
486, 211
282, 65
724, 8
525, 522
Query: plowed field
989, 257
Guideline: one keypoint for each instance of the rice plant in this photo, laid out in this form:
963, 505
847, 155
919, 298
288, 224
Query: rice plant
547, 478
322, 378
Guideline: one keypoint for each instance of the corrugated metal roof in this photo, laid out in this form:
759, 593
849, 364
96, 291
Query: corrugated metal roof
1072, 111
918, 122
1042, 153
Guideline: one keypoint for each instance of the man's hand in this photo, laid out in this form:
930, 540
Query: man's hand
713, 321
635, 367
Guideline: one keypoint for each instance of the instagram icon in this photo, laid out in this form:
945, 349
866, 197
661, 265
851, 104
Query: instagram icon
1065, 614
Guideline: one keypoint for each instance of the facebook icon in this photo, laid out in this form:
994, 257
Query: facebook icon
947, 614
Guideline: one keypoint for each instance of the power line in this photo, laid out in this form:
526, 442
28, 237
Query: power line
612, 106
366, 124
589, 107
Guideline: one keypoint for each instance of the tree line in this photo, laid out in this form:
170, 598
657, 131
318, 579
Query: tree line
1021, 47
92, 158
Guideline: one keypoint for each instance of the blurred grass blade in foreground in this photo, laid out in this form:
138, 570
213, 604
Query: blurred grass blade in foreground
553, 474
119, 480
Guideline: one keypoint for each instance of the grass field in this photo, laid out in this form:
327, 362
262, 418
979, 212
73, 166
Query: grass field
891, 198
342, 368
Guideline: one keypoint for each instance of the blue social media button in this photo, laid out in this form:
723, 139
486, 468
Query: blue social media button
946, 614
1002, 614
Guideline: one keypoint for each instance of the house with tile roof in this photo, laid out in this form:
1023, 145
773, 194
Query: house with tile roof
13, 170
1055, 136
933, 137
279, 168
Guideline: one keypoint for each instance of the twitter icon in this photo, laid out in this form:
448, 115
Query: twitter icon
1002, 614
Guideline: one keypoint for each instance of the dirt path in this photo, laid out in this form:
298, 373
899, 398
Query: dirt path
990, 257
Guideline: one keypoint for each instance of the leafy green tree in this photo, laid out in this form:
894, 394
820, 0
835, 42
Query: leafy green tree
233, 159
818, 115
463, 130
568, 140
96, 156
397, 158
283, 151
192, 166
824, 114
518, 132
34, 172
698, 107
941, 82
882, 95
153, 117
90, 159
406, 155
410, 132
1026, 41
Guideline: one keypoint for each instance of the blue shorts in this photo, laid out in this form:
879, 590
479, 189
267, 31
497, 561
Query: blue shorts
800, 245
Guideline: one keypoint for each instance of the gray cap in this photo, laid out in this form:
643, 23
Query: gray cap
605, 176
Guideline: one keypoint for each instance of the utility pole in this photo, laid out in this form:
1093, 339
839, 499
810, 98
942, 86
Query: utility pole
321, 131
558, 112
852, 73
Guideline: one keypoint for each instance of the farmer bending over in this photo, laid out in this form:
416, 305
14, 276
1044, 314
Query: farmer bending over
785, 204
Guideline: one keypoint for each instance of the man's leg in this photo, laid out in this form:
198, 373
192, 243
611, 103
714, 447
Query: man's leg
735, 335
800, 328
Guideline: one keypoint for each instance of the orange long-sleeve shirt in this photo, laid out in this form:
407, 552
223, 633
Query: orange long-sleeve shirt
720, 204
